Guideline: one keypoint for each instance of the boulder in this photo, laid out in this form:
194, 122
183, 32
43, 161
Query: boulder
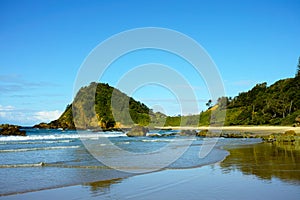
11, 130
161, 135
188, 133
137, 131
289, 136
154, 135
290, 133
202, 133
297, 121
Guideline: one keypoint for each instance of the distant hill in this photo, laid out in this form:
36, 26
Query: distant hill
99, 113
278, 104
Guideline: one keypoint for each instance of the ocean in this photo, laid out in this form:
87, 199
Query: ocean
46, 159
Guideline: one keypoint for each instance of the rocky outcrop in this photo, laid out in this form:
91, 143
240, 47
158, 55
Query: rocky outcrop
42, 125
56, 124
202, 133
11, 130
188, 132
224, 134
137, 131
289, 136
157, 135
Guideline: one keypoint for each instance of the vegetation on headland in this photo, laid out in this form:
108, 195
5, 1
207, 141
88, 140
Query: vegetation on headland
278, 104
102, 106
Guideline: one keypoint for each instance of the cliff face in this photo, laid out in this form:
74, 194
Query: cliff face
101, 106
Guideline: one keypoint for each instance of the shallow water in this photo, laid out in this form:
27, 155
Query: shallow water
53, 158
266, 161
208, 182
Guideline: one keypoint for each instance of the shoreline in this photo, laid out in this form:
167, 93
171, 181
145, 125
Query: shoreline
167, 182
79, 186
205, 182
259, 130
76, 185
221, 148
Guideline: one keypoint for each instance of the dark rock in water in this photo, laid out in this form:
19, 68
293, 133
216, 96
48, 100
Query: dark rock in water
137, 131
202, 133
11, 130
108, 130
207, 133
169, 134
188, 133
233, 135
154, 135
161, 135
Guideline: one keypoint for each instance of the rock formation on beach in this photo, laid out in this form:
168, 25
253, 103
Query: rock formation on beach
287, 137
11, 130
137, 131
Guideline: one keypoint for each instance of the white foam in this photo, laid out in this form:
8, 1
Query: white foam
60, 136
41, 164
37, 149
37, 142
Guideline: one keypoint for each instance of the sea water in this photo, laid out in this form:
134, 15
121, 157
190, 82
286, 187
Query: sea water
47, 159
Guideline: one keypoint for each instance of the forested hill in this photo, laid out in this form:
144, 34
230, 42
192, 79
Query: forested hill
278, 104
98, 113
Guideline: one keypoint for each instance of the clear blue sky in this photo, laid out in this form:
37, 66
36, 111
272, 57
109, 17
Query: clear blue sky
43, 44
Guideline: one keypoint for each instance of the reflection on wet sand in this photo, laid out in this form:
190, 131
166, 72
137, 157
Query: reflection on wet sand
266, 161
102, 187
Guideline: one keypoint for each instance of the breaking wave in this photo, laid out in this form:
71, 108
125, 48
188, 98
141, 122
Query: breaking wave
60, 136
37, 149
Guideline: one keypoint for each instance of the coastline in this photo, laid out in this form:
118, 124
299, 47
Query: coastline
259, 130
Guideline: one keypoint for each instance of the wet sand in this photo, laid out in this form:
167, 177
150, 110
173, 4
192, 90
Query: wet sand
260, 171
208, 182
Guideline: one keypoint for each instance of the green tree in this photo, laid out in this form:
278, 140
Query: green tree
298, 68
223, 102
209, 103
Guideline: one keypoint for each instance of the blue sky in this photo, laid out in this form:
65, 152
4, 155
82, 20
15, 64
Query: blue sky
44, 43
